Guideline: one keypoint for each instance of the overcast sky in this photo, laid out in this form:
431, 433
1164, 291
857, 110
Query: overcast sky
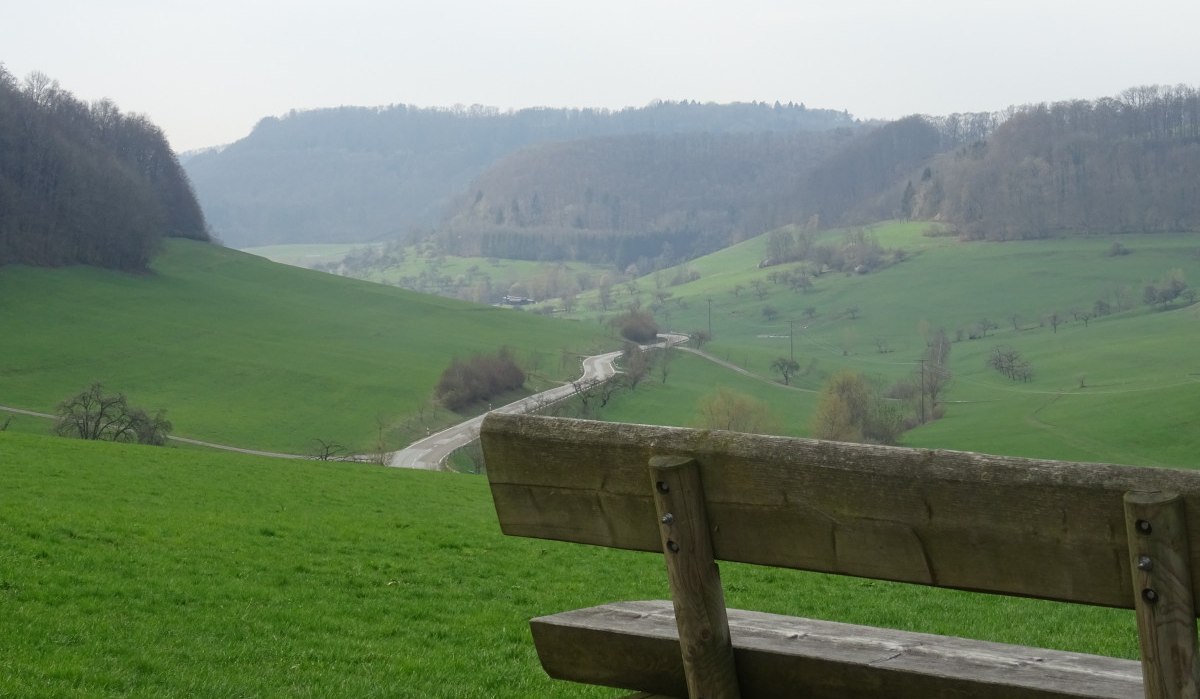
206, 71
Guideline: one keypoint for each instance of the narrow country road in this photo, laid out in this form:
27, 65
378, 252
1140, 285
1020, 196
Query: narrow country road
429, 453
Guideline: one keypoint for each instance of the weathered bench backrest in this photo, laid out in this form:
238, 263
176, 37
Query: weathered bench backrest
1014, 526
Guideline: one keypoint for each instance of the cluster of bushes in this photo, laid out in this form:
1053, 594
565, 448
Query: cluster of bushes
858, 251
637, 326
850, 409
1009, 362
478, 378
1170, 289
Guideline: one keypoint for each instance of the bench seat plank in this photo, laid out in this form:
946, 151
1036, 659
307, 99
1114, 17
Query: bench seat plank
634, 646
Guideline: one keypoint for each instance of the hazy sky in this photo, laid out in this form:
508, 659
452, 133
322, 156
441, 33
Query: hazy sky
206, 71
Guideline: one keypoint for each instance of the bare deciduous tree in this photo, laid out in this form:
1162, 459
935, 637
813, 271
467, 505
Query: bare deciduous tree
666, 355
93, 414
786, 368
327, 450
637, 365
726, 409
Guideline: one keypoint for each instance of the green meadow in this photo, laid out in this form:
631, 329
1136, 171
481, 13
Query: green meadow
305, 254
142, 571
138, 571
1122, 387
247, 352
689, 379
424, 269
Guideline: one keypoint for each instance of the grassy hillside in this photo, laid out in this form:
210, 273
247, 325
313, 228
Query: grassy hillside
1138, 366
243, 351
138, 571
421, 267
689, 380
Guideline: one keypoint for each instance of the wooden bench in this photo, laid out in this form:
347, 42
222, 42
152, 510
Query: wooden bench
1089, 533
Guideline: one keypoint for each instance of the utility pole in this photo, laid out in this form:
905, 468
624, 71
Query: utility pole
792, 340
710, 318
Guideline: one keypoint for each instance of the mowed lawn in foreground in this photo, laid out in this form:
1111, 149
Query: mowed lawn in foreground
139, 571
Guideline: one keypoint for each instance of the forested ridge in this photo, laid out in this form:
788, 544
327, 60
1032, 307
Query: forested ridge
363, 173
669, 197
618, 199
1125, 164
1128, 164
673, 180
85, 184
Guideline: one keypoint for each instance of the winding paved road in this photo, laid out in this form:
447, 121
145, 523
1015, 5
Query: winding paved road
429, 453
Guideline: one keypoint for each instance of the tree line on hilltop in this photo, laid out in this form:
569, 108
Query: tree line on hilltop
84, 183
1114, 165
616, 200
625, 187
1122, 164
624, 200
353, 174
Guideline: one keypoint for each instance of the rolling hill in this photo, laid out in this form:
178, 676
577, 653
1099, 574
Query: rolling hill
1116, 386
251, 353
619, 200
357, 174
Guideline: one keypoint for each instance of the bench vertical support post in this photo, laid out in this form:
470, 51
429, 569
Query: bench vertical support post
1160, 561
695, 581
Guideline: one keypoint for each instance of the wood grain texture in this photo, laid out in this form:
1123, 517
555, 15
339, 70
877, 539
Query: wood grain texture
1026, 527
696, 592
633, 645
1162, 582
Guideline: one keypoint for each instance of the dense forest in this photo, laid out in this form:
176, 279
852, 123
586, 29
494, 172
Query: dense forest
666, 198
618, 199
85, 184
1124, 164
354, 174
1129, 164
673, 180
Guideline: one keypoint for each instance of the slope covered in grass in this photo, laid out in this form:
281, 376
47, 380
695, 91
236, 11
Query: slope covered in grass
140, 571
1138, 367
247, 352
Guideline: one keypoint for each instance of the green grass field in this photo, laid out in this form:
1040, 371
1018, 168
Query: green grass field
243, 351
691, 378
135, 571
304, 255
1140, 371
480, 279
140, 571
